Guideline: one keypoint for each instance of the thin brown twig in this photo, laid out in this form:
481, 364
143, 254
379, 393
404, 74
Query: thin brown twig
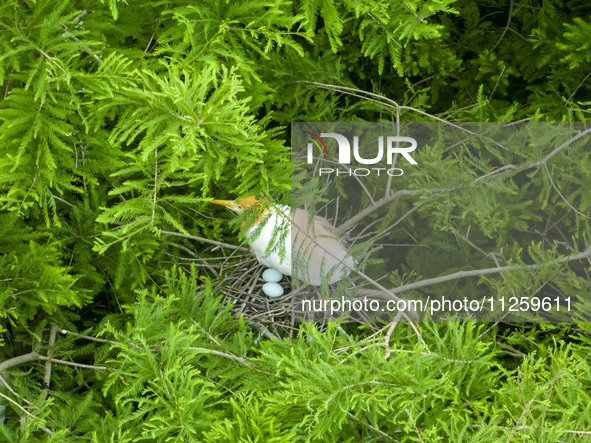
63, 201
395, 159
527, 406
562, 196
51, 60
557, 150
529, 428
268, 334
46, 430
69, 363
239, 360
392, 104
50, 344
552, 383
155, 184
88, 337
578, 87
205, 240
478, 272
372, 207
373, 428
414, 425
235, 358
506, 27
13, 392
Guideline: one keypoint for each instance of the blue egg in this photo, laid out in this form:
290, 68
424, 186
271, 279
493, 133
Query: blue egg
272, 290
272, 275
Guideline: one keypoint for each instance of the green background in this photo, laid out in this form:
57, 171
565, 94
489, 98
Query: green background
119, 121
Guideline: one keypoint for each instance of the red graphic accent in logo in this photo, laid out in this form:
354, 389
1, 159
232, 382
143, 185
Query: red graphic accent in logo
319, 139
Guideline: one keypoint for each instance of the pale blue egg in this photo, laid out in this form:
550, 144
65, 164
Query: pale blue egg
272, 290
272, 275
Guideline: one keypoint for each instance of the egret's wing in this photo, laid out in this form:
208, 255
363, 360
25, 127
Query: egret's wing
316, 251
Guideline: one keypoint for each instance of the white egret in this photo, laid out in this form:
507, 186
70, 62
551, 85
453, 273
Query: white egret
317, 253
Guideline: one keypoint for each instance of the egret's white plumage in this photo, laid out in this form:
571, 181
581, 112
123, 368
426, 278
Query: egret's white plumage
317, 253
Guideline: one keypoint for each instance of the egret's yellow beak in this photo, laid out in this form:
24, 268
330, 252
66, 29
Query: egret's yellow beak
230, 204
227, 203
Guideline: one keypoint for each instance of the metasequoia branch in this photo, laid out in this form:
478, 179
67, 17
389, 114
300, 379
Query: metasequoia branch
47, 377
235, 358
205, 240
558, 149
472, 273
21, 359
496, 173
394, 105
45, 429
371, 208
33, 356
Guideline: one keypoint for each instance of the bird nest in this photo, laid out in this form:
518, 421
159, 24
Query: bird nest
238, 278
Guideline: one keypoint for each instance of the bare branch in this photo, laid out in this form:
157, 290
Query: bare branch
472, 273
557, 150
373, 428
13, 392
47, 431
51, 343
506, 27
562, 196
33, 356
155, 184
414, 425
88, 337
527, 406
21, 359
371, 208
51, 60
268, 334
205, 240
69, 363
235, 358
529, 428
63, 201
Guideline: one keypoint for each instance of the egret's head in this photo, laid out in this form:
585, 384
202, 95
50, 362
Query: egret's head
252, 206
238, 206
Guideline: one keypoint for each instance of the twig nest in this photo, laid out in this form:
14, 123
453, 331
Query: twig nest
272, 289
272, 276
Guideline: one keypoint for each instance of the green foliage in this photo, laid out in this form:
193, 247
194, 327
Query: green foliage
182, 369
120, 120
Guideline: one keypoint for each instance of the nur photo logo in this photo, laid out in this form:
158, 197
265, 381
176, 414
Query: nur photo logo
387, 146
